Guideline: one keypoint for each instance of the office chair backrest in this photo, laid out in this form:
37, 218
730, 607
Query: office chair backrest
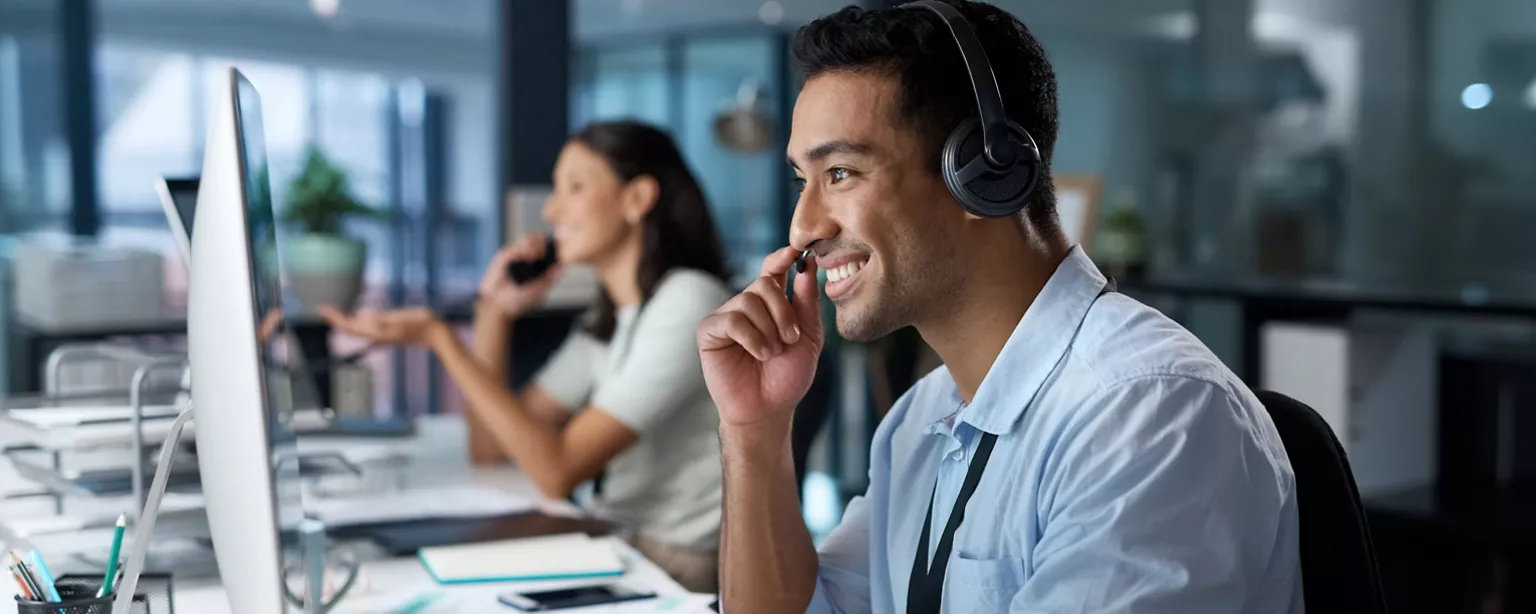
1338, 561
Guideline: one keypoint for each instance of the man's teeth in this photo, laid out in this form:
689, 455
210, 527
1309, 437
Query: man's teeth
843, 272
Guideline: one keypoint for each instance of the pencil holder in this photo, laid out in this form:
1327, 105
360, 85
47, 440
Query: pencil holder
78, 595
75, 601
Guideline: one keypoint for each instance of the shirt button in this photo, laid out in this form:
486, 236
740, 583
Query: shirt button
957, 455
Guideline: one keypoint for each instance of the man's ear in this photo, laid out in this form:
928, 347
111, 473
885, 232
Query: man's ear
640, 196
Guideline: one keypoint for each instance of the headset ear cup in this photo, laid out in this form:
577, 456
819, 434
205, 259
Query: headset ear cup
982, 190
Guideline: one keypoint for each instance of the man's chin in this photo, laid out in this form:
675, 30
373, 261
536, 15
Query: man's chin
860, 327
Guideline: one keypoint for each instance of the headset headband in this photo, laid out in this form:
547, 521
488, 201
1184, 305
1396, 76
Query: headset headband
1000, 151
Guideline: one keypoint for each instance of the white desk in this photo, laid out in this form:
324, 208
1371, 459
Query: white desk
390, 583
439, 459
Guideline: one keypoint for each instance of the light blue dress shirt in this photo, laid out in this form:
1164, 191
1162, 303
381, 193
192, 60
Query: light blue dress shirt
1132, 473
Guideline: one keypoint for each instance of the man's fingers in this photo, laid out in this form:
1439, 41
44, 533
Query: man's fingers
777, 264
757, 313
770, 292
808, 298
732, 328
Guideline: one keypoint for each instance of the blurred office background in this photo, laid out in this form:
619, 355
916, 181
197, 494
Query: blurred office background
1334, 195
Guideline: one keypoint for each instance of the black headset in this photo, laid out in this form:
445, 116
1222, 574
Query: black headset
991, 165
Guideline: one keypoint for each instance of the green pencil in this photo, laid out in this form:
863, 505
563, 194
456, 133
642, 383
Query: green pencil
418, 604
117, 551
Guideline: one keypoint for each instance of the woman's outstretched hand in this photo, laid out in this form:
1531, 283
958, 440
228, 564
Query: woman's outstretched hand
405, 326
499, 292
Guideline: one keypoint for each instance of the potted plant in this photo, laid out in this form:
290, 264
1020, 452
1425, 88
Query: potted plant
1122, 241
325, 266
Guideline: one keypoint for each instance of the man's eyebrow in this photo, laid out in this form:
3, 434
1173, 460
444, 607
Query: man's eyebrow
822, 151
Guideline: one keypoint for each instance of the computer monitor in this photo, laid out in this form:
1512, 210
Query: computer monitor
245, 442
178, 197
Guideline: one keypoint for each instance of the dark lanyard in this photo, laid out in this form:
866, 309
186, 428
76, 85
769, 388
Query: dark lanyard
925, 591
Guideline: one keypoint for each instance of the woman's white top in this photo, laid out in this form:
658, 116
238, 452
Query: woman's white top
667, 486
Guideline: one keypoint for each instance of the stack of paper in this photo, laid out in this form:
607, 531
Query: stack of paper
418, 504
572, 555
72, 427
82, 415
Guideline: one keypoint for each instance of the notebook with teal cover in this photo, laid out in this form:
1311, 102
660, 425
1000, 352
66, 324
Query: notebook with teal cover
551, 557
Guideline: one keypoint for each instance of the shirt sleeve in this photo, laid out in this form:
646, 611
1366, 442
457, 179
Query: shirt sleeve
660, 371
1168, 498
842, 580
567, 377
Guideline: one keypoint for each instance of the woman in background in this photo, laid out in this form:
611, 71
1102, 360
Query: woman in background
624, 395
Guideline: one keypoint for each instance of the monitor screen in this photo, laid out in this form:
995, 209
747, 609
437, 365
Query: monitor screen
273, 339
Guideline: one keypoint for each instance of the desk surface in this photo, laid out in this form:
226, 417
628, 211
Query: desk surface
439, 459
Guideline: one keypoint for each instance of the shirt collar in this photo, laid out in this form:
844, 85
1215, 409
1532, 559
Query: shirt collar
1037, 345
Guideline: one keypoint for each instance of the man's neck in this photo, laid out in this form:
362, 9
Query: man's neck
973, 328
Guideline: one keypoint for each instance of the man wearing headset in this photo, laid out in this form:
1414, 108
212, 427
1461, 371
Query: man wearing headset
1079, 453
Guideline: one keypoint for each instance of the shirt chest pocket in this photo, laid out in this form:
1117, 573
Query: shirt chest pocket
982, 585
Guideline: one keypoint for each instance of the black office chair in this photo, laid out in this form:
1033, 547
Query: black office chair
1338, 561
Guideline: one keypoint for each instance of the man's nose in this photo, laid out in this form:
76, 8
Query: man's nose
812, 222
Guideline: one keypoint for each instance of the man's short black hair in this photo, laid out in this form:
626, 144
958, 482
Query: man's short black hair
936, 93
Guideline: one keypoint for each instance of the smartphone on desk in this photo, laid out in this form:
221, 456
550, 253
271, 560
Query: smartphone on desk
544, 601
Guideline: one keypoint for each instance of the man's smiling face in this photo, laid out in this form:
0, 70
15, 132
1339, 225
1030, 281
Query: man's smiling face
873, 207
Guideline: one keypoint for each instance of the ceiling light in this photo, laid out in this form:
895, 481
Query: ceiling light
1477, 96
771, 12
326, 9
1530, 94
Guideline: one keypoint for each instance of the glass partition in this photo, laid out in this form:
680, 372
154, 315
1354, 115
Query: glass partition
686, 83
742, 180
34, 153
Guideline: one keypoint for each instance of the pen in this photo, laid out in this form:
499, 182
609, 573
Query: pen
117, 551
45, 577
21, 582
418, 604
26, 577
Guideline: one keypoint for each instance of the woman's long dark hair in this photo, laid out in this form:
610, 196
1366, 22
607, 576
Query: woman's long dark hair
678, 231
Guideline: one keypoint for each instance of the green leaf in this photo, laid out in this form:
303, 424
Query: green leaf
320, 199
